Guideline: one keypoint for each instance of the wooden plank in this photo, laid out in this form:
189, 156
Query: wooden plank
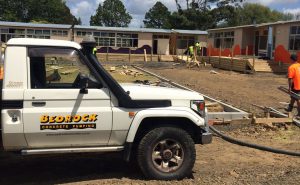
272, 120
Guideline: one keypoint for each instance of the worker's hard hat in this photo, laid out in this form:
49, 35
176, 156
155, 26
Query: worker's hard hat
294, 57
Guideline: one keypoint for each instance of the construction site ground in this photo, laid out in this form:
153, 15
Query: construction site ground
217, 163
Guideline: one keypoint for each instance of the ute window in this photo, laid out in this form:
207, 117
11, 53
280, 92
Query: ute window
58, 68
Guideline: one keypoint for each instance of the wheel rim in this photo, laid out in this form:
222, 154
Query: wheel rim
167, 155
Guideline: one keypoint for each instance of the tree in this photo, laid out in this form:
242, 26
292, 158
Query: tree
292, 16
13, 10
112, 13
250, 13
51, 11
199, 14
157, 17
97, 19
79, 22
204, 4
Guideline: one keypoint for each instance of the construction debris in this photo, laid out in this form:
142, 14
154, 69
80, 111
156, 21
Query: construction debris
67, 72
272, 116
213, 72
214, 106
112, 69
132, 72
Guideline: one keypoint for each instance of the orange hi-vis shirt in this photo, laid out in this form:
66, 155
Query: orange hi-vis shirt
294, 73
1, 73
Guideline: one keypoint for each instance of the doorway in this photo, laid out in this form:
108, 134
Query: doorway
155, 46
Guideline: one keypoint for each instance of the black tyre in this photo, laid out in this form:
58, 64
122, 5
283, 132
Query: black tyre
166, 153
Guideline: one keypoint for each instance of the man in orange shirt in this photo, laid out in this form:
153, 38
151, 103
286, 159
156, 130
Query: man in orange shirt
294, 82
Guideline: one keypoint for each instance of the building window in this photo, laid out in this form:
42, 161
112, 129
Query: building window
224, 39
4, 30
30, 31
263, 42
17, 31
40, 34
83, 33
127, 40
161, 37
218, 42
294, 38
183, 42
59, 33
8, 33
105, 39
110, 39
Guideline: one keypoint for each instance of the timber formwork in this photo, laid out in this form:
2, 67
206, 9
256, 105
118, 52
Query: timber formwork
110, 57
232, 64
248, 65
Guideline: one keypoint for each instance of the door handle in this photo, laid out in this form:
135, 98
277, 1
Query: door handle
38, 104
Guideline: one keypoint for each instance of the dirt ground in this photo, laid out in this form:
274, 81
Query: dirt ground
240, 90
217, 163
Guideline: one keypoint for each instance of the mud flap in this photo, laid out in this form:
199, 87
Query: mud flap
206, 138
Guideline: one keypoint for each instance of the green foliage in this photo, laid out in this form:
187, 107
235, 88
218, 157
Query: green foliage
250, 13
51, 11
112, 13
199, 15
97, 19
191, 19
157, 16
79, 22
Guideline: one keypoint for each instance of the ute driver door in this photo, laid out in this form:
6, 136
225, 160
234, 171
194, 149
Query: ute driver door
66, 105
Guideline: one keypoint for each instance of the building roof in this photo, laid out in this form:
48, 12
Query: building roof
123, 29
102, 28
257, 25
192, 32
42, 42
145, 30
34, 25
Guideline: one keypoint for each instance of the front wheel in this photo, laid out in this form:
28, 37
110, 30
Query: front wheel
166, 153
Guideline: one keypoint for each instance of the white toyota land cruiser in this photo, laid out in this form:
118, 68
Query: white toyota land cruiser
57, 98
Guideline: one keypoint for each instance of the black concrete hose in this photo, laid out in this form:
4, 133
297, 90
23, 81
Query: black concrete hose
251, 145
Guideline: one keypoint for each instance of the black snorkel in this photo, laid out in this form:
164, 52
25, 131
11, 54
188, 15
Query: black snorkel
124, 100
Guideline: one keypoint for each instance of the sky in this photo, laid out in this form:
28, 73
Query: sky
137, 8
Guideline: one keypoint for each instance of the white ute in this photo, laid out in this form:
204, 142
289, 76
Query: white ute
57, 98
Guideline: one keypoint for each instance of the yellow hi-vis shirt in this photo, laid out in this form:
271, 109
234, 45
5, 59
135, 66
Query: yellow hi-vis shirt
94, 51
191, 49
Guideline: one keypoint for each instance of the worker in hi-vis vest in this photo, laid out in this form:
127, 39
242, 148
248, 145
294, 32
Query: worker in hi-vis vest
95, 51
193, 50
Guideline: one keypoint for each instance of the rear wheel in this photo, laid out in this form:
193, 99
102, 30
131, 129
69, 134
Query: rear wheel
166, 153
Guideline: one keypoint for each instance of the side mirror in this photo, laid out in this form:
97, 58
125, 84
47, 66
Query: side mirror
83, 84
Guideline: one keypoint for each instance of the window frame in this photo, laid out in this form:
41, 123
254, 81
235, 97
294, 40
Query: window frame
184, 41
81, 57
293, 37
116, 39
224, 39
